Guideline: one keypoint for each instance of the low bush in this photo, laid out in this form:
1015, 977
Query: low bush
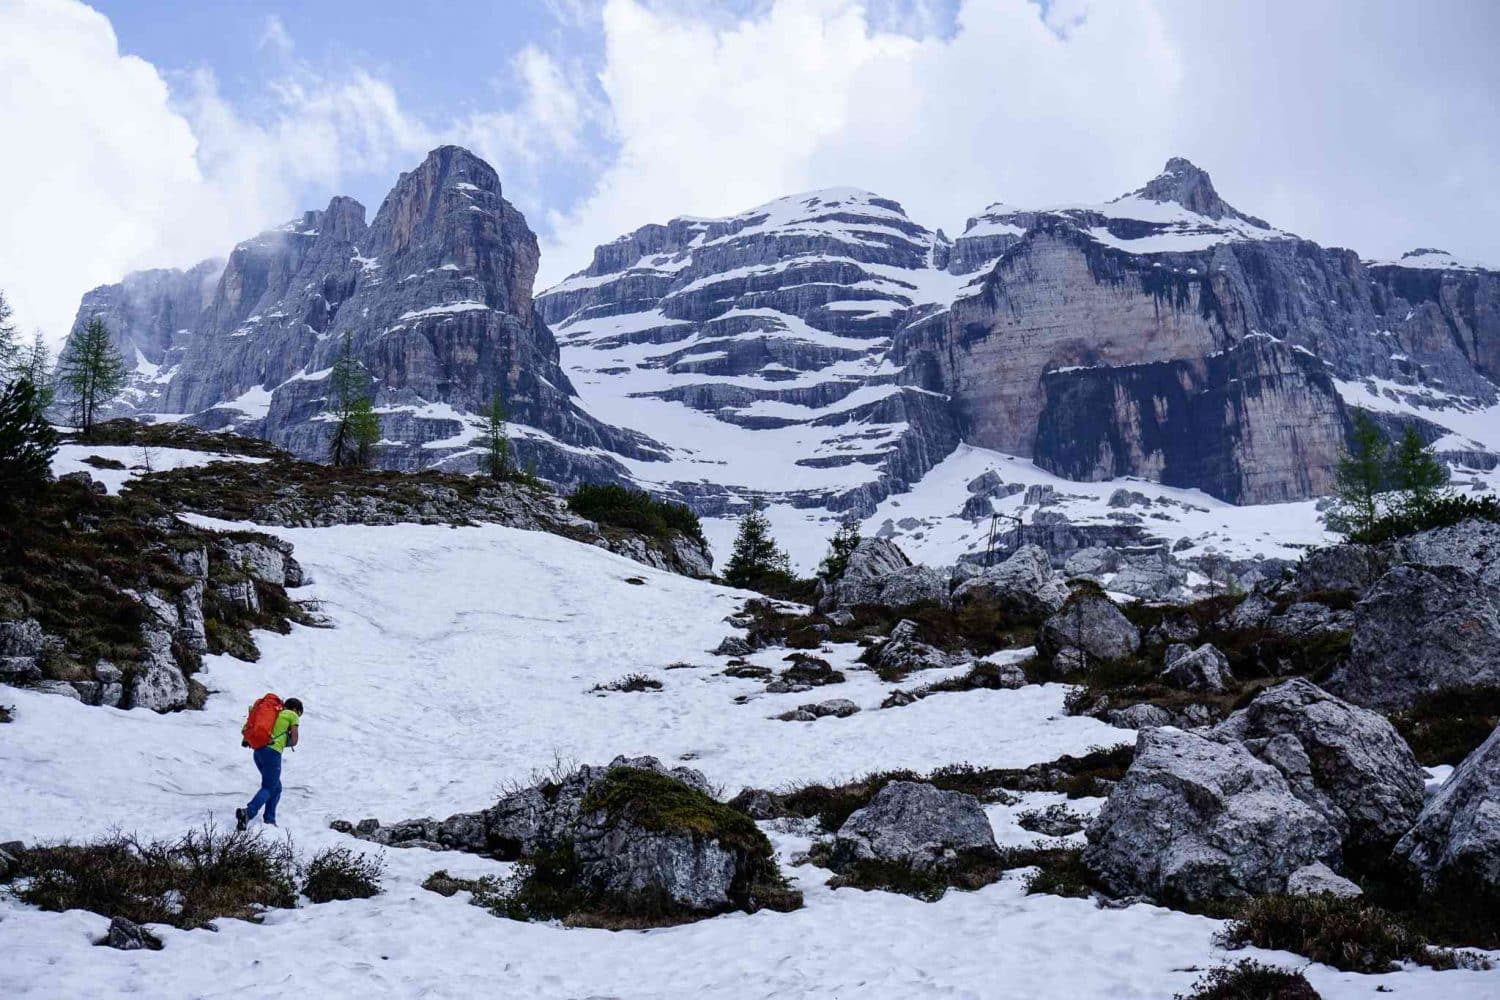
1349, 934
1444, 727
203, 876
1248, 979
7, 714
1060, 872
630, 682
337, 873
622, 507
1439, 512
1078, 777
545, 887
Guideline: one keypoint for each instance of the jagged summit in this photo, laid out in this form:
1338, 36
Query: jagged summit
1187, 185
434, 297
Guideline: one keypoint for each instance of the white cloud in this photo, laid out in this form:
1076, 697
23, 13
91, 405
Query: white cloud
111, 169
714, 117
275, 37
1353, 124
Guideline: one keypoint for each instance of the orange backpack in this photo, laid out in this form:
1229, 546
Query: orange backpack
261, 721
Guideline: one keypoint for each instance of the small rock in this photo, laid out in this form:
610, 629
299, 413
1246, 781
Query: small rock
1317, 879
126, 935
732, 645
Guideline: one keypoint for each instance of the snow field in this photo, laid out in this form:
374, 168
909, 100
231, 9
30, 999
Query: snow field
462, 660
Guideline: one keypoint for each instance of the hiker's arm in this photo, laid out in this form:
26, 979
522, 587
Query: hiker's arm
291, 737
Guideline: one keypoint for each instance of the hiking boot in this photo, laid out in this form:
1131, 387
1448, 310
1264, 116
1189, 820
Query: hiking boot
241, 819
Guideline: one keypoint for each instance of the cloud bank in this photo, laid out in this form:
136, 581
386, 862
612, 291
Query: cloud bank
1370, 125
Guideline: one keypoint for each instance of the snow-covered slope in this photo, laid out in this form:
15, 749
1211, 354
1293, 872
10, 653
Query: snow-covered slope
463, 658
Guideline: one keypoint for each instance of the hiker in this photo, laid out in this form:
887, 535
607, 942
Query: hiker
269, 729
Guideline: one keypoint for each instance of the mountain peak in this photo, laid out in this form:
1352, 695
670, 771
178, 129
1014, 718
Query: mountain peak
1185, 184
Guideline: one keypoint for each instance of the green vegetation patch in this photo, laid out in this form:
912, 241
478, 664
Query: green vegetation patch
189, 882
1248, 979
661, 803
1444, 727
1350, 934
622, 507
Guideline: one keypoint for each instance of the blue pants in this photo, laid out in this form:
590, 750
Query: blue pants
269, 763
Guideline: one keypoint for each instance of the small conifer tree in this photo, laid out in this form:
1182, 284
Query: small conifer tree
840, 547
27, 443
756, 555
1416, 474
356, 426
497, 444
91, 372
1361, 477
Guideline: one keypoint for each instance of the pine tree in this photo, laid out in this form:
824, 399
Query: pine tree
755, 556
10, 345
35, 366
91, 372
497, 444
364, 430
840, 547
349, 402
27, 443
1416, 474
1361, 478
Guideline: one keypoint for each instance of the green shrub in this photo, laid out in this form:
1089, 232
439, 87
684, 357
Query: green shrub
1440, 512
1349, 934
1248, 979
622, 507
204, 875
339, 873
630, 682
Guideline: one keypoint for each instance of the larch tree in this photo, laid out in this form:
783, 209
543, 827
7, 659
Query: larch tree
91, 373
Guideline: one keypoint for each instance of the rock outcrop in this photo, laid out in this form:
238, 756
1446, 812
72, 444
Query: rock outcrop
1024, 584
647, 840
433, 298
916, 825
1419, 630
878, 572
1455, 841
1347, 762
1089, 624
1195, 819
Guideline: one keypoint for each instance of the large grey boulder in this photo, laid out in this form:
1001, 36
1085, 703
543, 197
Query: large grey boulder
1024, 584
1456, 838
1421, 629
915, 824
158, 684
1090, 622
903, 653
626, 848
21, 645
878, 572
1346, 567
1347, 762
1203, 669
268, 560
1197, 819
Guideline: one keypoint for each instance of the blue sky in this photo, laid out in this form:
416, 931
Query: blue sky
157, 134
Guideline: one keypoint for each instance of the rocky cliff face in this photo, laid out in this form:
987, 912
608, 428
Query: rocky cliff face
824, 350
434, 297
1134, 338
778, 321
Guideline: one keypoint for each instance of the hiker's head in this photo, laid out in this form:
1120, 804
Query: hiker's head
295, 704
